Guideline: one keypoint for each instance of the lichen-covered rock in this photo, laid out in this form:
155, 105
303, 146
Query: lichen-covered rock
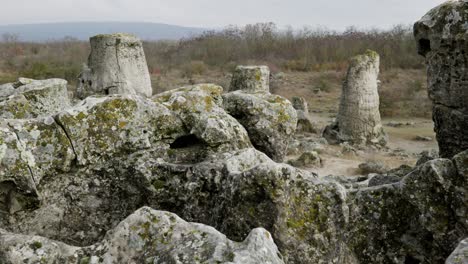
200, 109
102, 128
416, 219
358, 119
460, 254
116, 65
15, 169
251, 79
441, 37
237, 191
146, 236
33, 98
269, 119
30, 150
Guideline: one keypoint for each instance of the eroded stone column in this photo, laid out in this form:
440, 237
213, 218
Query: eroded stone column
304, 120
116, 65
358, 119
251, 79
442, 39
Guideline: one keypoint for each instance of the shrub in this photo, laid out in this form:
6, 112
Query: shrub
193, 68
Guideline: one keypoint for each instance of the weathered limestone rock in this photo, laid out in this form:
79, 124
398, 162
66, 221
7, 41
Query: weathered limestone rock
304, 121
103, 128
199, 107
460, 254
30, 150
29, 98
358, 119
269, 119
116, 65
420, 218
441, 38
146, 236
251, 79
307, 159
237, 191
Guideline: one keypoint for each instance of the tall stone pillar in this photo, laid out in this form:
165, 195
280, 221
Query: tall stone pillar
442, 39
116, 65
358, 120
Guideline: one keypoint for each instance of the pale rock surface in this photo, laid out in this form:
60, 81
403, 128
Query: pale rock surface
116, 65
358, 120
29, 98
460, 254
146, 236
269, 119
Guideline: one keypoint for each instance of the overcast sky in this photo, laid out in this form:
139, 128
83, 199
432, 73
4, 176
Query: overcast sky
334, 14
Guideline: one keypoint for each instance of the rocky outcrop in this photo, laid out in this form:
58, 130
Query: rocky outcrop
269, 119
358, 120
72, 184
74, 176
29, 98
304, 120
441, 38
116, 65
251, 79
146, 236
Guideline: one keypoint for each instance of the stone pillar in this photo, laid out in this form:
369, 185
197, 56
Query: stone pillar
304, 120
251, 79
442, 39
116, 65
358, 120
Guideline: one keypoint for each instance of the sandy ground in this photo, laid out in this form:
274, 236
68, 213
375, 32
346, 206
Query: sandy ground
402, 147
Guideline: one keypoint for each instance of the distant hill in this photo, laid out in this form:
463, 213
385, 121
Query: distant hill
84, 30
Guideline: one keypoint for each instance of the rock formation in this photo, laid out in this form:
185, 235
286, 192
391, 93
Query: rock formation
441, 37
304, 121
77, 185
251, 79
146, 236
116, 65
29, 98
269, 119
358, 119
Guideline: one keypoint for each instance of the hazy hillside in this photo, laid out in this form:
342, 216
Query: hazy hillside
83, 30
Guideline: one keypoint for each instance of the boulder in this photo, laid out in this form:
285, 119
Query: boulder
441, 38
116, 65
307, 159
146, 236
199, 107
269, 119
358, 120
29, 98
414, 220
372, 167
251, 79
